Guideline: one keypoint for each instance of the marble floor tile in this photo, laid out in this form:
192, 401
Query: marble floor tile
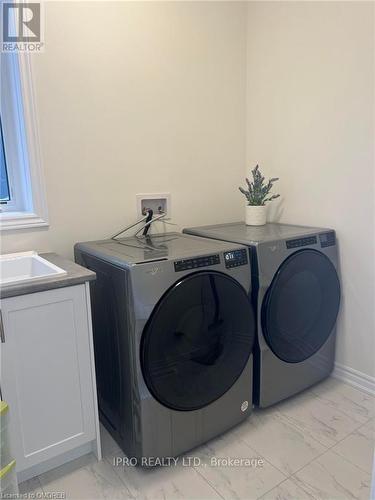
85, 478
284, 452
317, 418
31, 487
235, 470
356, 404
358, 447
153, 483
277, 440
287, 490
331, 477
175, 482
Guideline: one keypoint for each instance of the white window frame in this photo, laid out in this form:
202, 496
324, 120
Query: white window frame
28, 207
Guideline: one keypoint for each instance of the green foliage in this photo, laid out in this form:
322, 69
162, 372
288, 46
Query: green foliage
258, 191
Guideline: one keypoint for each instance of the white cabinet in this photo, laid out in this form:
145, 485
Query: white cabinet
48, 377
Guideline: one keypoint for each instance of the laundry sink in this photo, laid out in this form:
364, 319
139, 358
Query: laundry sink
25, 267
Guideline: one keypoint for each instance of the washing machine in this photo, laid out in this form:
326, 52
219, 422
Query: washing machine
173, 338
296, 296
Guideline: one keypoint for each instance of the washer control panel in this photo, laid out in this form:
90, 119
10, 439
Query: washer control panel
186, 264
235, 258
301, 242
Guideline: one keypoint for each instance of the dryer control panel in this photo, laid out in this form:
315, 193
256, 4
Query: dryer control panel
186, 264
301, 242
235, 258
327, 239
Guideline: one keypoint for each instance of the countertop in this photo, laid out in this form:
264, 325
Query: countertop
75, 275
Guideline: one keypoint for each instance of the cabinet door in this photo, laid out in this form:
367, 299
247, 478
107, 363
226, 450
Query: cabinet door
46, 373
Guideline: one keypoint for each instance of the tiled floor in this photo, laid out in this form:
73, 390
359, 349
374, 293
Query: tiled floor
318, 445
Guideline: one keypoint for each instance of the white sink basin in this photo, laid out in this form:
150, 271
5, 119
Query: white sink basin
26, 266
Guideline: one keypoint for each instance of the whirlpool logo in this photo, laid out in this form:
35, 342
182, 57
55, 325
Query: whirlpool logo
22, 27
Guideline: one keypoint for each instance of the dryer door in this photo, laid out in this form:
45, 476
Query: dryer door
197, 340
301, 305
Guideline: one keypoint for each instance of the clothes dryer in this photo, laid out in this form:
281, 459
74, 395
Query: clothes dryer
296, 296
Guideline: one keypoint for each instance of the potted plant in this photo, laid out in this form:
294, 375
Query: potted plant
257, 194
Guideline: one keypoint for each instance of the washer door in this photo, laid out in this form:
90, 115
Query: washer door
197, 341
300, 308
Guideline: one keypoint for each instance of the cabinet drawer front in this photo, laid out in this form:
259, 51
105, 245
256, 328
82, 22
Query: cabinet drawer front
46, 373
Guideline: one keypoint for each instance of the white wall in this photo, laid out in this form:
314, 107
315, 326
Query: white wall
133, 98
310, 120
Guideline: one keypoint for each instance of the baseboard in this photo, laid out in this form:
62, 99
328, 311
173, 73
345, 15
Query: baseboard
355, 378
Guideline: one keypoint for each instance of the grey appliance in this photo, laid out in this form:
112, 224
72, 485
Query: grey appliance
173, 339
296, 296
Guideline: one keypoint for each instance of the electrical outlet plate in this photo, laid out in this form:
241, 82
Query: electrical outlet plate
158, 202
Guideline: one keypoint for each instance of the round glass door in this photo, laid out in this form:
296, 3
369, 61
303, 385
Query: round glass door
197, 340
301, 305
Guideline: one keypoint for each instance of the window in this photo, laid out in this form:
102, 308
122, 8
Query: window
22, 195
4, 181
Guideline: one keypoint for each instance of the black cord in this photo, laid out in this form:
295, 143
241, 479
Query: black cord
150, 214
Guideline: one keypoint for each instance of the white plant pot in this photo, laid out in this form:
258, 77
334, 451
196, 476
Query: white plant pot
256, 215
